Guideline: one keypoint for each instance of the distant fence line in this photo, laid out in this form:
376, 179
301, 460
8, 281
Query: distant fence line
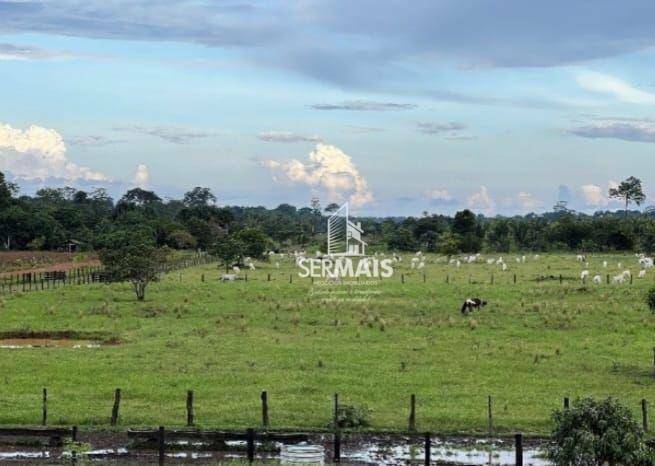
33, 281
85, 275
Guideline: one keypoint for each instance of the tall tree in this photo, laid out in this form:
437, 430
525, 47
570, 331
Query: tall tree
629, 191
199, 197
6, 191
130, 254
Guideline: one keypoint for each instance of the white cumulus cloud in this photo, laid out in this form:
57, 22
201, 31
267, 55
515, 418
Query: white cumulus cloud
38, 153
439, 195
528, 202
593, 195
481, 201
141, 177
328, 169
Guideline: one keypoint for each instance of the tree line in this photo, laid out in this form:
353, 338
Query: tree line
55, 218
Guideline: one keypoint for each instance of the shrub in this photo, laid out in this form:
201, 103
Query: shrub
594, 433
650, 299
353, 416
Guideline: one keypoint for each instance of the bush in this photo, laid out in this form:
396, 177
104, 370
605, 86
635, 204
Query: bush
650, 299
353, 417
594, 433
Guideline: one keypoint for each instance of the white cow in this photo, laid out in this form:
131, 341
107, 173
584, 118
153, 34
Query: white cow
597, 279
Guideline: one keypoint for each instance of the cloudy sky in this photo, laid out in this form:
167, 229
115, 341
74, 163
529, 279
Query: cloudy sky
398, 107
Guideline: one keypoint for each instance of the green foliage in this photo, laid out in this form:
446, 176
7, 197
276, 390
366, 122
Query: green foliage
353, 416
55, 216
594, 433
449, 244
650, 299
229, 249
629, 191
131, 255
255, 242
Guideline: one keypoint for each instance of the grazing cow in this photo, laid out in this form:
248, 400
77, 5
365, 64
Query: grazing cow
251, 266
604, 264
504, 267
236, 269
642, 274
584, 275
491, 261
581, 258
472, 303
618, 279
598, 279
228, 277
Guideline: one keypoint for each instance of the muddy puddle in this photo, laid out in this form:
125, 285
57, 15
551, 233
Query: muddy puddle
18, 343
53, 339
318, 451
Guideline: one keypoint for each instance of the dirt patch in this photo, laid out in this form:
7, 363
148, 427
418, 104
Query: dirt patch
14, 343
60, 266
56, 339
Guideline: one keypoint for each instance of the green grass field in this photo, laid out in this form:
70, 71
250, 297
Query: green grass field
535, 343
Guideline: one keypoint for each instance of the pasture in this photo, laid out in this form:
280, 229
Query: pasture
537, 341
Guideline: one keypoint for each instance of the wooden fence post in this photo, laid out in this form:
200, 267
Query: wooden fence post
250, 440
265, 409
337, 447
644, 414
428, 454
189, 408
402, 278
566, 403
490, 414
161, 441
336, 411
44, 419
115, 409
518, 440
412, 412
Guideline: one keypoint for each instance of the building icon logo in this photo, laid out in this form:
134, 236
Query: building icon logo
344, 237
